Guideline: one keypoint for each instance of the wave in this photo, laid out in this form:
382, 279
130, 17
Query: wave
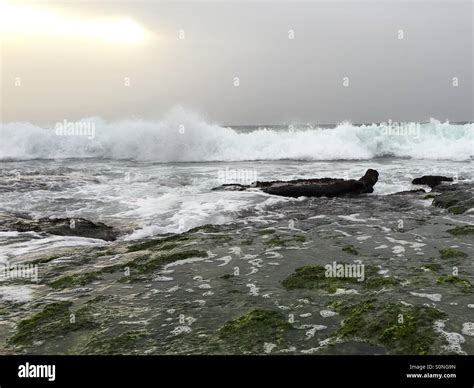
184, 137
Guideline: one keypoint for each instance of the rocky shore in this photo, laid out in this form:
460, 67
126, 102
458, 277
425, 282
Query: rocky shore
258, 285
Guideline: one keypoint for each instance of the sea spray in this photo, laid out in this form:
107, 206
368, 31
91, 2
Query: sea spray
184, 137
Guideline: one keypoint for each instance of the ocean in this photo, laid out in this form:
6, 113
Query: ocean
189, 260
151, 178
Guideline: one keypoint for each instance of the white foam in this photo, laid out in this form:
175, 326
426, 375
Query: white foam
165, 141
432, 297
312, 329
468, 329
454, 339
16, 293
327, 313
268, 347
353, 218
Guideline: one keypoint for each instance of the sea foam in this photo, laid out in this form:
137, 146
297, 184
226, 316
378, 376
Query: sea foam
184, 137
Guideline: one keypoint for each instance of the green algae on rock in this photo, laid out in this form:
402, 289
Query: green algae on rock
123, 343
44, 260
351, 250
465, 285
315, 277
263, 232
80, 279
450, 253
165, 243
283, 241
137, 267
433, 267
251, 331
153, 263
402, 329
461, 230
53, 321
456, 202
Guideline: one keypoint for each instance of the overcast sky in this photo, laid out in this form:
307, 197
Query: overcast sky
401, 59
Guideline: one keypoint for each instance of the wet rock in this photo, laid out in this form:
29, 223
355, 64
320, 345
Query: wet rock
379, 323
431, 180
79, 227
463, 284
314, 277
457, 202
408, 192
250, 331
450, 253
231, 187
327, 187
123, 343
461, 230
53, 321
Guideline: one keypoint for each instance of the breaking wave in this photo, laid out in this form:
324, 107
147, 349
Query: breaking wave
184, 137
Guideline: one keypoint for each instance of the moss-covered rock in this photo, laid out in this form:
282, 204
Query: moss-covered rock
351, 250
249, 332
432, 267
315, 277
462, 230
145, 266
400, 328
451, 253
247, 241
53, 321
137, 267
263, 232
207, 228
80, 279
456, 202
123, 343
44, 260
284, 240
463, 284
166, 243
377, 282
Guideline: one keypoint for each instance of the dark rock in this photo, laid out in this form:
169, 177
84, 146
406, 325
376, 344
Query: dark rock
79, 227
231, 187
408, 192
328, 187
370, 178
431, 180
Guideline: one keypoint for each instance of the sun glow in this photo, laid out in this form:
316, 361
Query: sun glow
35, 22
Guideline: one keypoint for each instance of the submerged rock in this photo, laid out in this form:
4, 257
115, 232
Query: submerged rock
327, 187
79, 227
408, 192
251, 331
402, 329
315, 277
461, 230
431, 180
457, 201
